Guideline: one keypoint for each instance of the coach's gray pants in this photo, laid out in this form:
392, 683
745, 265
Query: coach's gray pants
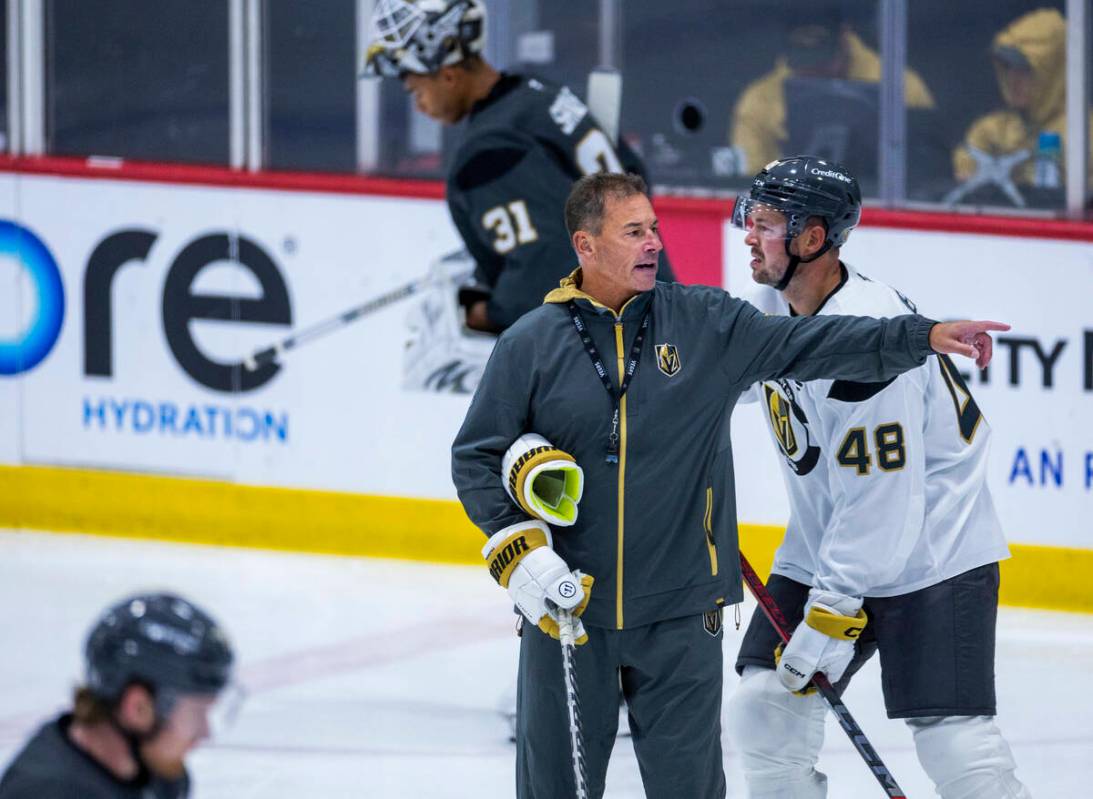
670, 673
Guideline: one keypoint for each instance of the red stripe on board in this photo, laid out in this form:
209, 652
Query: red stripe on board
677, 207
190, 174
985, 224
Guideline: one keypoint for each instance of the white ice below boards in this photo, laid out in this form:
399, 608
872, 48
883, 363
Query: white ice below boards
362, 685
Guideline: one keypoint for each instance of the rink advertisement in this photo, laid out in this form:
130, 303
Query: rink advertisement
134, 321
1037, 394
303, 341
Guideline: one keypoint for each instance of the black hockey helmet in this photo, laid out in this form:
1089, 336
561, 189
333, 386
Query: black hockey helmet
160, 640
805, 186
801, 187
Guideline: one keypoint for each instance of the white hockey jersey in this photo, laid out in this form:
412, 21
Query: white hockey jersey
886, 481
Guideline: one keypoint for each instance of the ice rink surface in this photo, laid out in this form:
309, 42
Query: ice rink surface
370, 678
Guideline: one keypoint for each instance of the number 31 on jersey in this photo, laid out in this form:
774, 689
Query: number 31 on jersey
511, 223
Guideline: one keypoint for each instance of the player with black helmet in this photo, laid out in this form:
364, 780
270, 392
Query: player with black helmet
155, 665
802, 189
525, 143
893, 541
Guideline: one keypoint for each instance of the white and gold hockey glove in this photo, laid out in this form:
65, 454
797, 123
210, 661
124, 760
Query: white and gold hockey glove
544, 481
824, 641
522, 560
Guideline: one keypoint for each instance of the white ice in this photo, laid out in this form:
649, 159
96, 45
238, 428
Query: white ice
379, 678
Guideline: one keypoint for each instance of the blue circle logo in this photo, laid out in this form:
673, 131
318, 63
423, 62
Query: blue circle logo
37, 339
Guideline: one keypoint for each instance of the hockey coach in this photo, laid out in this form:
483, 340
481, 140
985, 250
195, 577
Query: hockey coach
636, 380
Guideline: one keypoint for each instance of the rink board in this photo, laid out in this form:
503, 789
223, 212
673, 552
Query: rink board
140, 420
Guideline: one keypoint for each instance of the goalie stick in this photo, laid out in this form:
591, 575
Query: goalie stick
272, 353
823, 685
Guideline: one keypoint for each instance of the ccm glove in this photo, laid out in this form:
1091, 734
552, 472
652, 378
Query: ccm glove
824, 641
522, 560
544, 481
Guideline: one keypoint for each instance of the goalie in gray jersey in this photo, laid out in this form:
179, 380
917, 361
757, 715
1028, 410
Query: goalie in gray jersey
893, 541
526, 141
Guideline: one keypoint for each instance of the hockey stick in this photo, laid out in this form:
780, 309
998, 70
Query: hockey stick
272, 353
572, 702
823, 685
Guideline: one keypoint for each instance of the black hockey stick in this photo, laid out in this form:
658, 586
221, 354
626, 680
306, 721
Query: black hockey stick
823, 685
272, 353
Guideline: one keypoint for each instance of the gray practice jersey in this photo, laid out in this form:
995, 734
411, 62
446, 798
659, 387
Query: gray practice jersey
887, 481
50, 766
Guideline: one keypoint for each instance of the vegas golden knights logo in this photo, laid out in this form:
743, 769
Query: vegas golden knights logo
668, 359
711, 621
780, 422
790, 426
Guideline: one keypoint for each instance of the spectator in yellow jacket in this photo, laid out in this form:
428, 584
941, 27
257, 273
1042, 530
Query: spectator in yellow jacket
1030, 61
824, 50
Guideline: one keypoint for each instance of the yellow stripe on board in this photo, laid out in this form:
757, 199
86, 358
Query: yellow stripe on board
209, 512
1052, 578
1055, 578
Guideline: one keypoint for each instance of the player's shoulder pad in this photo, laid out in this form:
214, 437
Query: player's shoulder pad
489, 156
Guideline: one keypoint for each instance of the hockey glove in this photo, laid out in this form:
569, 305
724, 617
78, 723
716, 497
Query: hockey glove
522, 560
824, 641
544, 481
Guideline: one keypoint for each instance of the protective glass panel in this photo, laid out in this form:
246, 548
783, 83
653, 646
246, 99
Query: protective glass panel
555, 41
1089, 105
710, 97
997, 138
138, 80
4, 132
310, 70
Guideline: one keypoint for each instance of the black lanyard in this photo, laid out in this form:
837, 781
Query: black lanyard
616, 395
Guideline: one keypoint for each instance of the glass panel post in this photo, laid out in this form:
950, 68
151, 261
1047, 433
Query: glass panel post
893, 118
1077, 106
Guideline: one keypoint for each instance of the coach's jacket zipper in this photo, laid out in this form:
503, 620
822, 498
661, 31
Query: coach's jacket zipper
621, 365
622, 469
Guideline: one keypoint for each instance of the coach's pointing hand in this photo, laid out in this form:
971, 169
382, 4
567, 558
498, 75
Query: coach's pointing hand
970, 339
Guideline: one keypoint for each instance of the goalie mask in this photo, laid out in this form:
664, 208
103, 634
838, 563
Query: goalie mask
800, 188
421, 36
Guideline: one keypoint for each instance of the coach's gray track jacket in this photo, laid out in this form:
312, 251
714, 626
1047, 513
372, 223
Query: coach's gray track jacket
657, 530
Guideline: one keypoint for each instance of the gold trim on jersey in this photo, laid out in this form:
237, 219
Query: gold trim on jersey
707, 526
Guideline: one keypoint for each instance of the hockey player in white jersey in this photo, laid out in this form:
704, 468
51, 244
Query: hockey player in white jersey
893, 541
